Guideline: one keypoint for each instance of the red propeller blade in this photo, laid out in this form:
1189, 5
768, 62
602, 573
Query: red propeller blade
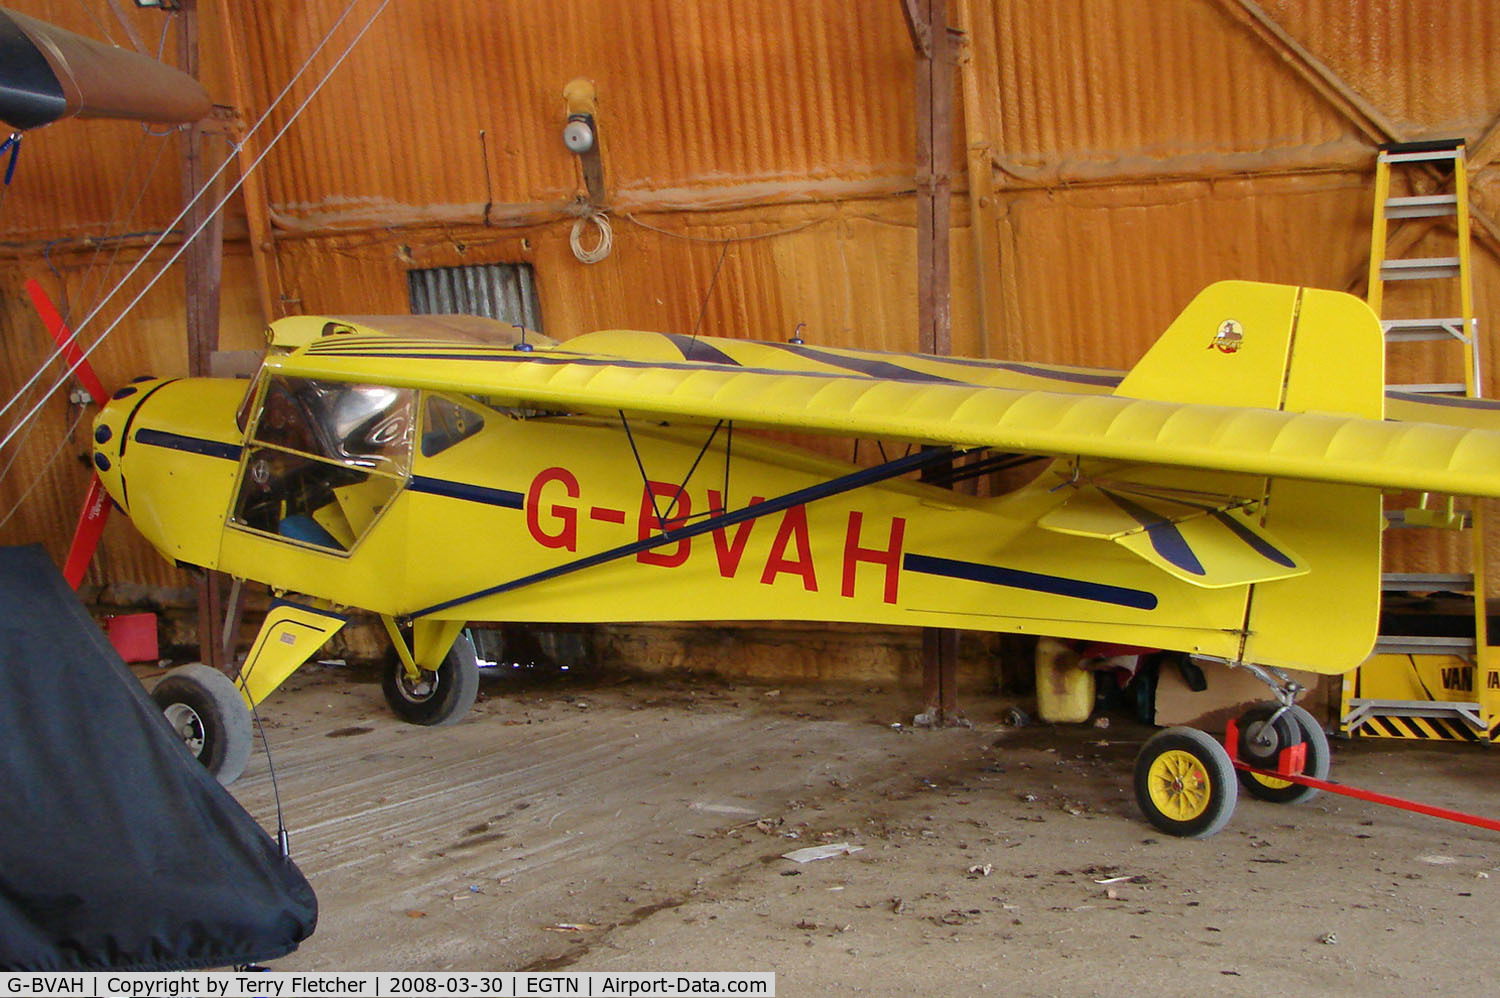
66, 341
86, 537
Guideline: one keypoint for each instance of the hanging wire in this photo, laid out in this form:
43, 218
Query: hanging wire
790, 230
121, 216
187, 241
46, 468
712, 281
283, 839
161, 46
97, 23
11, 145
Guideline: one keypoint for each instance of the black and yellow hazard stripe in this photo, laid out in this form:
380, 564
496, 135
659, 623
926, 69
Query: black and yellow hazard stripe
1426, 728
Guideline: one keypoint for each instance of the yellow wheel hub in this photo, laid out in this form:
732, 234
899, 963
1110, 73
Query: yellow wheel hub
1179, 785
1271, 781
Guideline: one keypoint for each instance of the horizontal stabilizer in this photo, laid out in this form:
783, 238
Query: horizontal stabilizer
1213, 546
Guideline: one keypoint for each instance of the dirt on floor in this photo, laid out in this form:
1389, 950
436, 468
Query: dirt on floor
640, 825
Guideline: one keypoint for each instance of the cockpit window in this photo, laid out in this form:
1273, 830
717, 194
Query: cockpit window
366, 425
445, 423
325, 460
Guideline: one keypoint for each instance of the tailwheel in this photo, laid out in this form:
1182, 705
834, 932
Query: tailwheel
1295, 725
206, 710
434, 698
1184, 782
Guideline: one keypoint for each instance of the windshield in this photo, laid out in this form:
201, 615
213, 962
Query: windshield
325, 460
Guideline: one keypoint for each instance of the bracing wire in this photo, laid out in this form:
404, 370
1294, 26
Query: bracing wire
182, 248
97, 23
46, 468
712, 281
85, 292
116, 216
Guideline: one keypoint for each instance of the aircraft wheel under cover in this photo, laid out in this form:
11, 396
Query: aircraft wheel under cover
441, 697
207, 712
1184, 783
1319, 759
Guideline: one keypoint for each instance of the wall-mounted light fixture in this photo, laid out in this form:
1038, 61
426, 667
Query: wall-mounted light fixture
160, 4
578, 134
581, 134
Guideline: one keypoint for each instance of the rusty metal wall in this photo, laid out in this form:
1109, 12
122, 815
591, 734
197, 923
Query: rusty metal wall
51, 467
757, 159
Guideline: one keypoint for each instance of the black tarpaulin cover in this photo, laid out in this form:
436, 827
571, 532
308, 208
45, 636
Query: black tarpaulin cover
118, 851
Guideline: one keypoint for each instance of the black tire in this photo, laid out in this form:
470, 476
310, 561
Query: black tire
441, 697
1261, 739
1184, 783
1142, 690
1319, 761
205, 709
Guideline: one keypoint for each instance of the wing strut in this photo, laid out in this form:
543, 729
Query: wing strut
823, 490
662, 519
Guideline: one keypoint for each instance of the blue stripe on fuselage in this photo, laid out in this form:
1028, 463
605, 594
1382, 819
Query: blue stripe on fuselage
466, 492
1014, 578
191, 445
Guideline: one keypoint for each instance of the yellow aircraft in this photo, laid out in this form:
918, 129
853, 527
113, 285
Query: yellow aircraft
1222, 499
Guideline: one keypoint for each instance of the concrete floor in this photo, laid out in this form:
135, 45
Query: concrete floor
639, 825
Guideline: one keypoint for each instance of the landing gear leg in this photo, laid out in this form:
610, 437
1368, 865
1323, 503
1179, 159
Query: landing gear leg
432, 696
1268, 729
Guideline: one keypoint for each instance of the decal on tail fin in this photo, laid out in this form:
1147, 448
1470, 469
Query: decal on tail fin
1270, 346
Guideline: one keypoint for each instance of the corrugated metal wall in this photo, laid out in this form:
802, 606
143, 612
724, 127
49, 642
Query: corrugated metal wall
762, 151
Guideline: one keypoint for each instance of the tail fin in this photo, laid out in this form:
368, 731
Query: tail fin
1271, 346
1301, 350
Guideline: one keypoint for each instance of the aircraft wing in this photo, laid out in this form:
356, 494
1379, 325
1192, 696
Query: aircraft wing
48, 73
925, 406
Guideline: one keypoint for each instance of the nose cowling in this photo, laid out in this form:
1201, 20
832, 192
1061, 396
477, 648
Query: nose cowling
110, 429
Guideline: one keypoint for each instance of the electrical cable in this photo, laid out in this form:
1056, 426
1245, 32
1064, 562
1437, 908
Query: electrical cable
791, 230
283, 839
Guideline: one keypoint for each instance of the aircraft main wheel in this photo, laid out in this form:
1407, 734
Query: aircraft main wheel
1184, 782
441, 697
1317, 764
207, 712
